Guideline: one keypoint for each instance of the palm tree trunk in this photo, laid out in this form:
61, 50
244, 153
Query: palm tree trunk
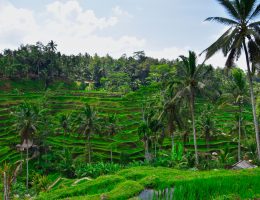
193, 127
27, 166
89, 149
86, 147
5, 187
239, 136
146, 149
207, 140
252, 100
185, 135
155, 149
172, 139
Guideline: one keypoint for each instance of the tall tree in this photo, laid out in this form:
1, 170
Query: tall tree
243, 34
207, 123
193, 78
148, 128
237, 96
65, 123
87, 124
26, 121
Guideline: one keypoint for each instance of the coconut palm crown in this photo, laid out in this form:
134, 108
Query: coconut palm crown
242, 30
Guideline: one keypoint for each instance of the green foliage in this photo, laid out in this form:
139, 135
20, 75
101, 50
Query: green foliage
177, 152
66, 166
98, 186
40, 183
96, 170
187, 184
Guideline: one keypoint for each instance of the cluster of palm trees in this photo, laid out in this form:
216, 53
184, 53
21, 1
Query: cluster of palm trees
34, 124
243, 34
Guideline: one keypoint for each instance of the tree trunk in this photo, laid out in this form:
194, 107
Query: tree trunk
252, 100
239, 132
146, 147
172, 140
185, 135
207, 139
27, 167
89, 149
5, 187
155, 150
193, 126
38, 70
239, 138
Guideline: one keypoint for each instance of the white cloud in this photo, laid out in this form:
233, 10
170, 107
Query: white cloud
120, 12
77, 30
170, 53
71, 15
72, 27
14, 24
219, 60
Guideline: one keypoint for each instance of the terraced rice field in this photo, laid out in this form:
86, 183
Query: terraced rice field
126, 141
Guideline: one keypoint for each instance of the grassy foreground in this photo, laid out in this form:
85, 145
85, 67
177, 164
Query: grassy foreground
128, 183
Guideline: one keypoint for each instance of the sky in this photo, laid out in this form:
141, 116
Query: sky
161, 28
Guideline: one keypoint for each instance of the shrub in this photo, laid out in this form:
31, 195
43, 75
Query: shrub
97, 169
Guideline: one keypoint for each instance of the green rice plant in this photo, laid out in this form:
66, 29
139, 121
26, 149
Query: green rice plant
98, 186
210, 188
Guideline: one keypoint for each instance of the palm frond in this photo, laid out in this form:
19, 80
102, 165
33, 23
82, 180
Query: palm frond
254, 33
229, 8
216, 46
254, 24
229, 41
185, 65
255, 13
222, 20
230, 60
254, 53
247, 7
192, 62
235, 51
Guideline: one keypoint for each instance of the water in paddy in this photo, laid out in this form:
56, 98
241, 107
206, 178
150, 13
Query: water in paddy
149, 194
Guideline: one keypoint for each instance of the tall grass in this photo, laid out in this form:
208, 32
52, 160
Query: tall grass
214, 187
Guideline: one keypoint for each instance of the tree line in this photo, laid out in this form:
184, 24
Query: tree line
44, 62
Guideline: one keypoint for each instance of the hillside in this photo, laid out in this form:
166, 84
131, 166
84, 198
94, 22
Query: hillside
128, 109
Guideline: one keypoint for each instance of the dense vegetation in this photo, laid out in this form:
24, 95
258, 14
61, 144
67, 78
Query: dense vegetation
90, 127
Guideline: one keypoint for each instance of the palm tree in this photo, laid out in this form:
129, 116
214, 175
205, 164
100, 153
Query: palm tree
26, 121
52, 46
144, 133
207, 123
112, 128
87, 123
193, 77
239, 93
237, 97
149, 126
65, 124
243, 34
171, 113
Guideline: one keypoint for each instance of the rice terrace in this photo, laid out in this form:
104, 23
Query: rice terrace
130, 100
